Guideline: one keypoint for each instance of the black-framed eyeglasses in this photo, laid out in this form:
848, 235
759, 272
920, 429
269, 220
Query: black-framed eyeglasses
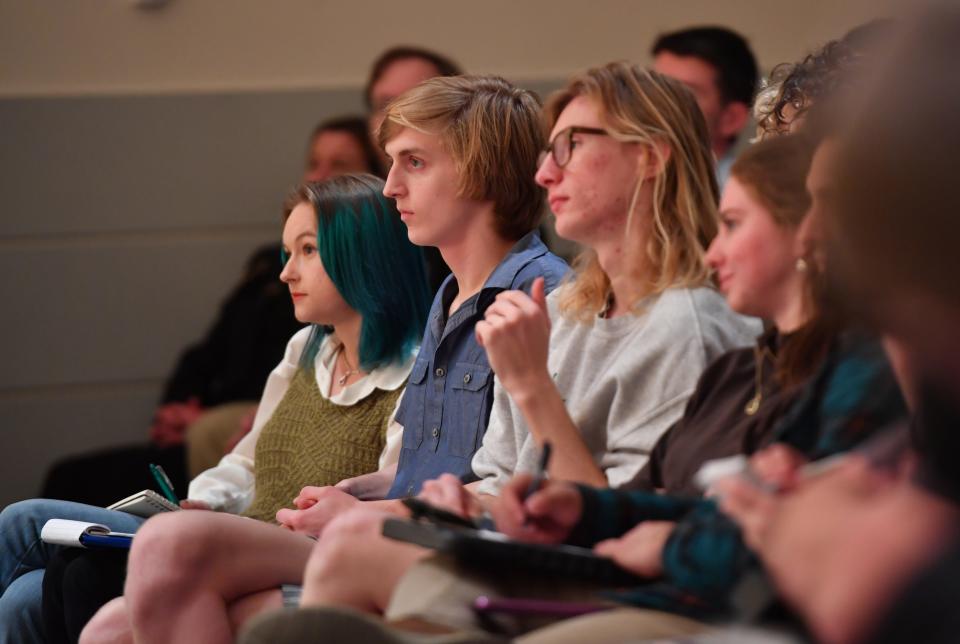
562, 145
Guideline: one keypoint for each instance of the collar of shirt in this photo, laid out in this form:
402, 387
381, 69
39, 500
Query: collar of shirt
386, 378
527, 248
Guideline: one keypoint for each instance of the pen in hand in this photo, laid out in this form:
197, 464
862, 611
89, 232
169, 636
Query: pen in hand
166, 486
539, 476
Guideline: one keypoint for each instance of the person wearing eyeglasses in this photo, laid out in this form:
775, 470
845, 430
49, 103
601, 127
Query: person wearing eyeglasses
629, 176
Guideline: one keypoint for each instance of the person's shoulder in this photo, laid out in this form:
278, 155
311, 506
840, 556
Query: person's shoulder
709, 304
699, 298
678, 304
546, 265
703, 311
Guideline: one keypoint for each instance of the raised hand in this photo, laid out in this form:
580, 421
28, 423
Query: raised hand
515, 332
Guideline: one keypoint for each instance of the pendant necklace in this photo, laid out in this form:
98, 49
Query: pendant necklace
753, 405
342, 380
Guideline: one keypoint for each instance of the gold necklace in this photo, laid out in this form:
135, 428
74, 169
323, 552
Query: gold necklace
342, 380
753, 405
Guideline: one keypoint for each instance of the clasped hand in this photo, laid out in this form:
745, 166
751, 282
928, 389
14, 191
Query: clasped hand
316, 507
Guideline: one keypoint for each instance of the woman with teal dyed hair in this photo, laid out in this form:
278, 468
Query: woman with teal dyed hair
327, 409
376, 271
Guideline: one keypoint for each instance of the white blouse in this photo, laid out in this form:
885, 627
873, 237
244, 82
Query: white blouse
229, 486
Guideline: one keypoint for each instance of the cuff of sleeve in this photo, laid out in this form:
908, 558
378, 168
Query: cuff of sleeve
598, 520
705, 554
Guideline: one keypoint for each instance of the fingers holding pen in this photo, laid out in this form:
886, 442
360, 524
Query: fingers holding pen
546, 516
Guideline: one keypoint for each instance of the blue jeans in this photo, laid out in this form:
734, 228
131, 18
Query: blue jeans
23, 558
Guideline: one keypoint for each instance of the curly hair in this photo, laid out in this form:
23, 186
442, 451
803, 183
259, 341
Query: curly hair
793, 87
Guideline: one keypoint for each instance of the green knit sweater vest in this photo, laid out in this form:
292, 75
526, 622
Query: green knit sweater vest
311, 441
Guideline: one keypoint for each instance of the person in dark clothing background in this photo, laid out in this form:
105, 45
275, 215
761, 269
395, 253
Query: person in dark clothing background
228, 366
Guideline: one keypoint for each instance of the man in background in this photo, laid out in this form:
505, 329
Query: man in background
716, 64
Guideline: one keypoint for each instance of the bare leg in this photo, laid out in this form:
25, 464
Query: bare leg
245, 608
186, 567
111, 625
354, 565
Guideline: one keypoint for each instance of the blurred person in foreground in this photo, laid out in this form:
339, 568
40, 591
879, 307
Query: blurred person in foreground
864, 553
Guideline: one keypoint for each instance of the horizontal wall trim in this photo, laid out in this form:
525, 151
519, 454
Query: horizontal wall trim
142, 236
213, 88
79, 390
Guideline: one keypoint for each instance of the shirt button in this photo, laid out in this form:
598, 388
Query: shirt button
439, 372
436, 432
466, 378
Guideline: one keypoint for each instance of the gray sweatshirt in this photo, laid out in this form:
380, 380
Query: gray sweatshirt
625, 381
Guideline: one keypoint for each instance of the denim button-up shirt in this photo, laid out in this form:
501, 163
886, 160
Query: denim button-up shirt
446, 404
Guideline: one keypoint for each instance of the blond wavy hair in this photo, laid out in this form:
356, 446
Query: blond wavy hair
492, 130
641, 106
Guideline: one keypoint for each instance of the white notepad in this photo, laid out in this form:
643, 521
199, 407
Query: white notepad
144, 504
74, 534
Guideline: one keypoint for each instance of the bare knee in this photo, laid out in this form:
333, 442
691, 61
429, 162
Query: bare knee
343, 543
170, 546
170, 554
339, 567
111, 625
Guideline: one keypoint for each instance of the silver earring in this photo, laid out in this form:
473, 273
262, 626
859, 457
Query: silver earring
801, 265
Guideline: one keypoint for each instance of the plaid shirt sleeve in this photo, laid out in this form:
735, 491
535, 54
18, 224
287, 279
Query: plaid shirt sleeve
853, 397
609, 513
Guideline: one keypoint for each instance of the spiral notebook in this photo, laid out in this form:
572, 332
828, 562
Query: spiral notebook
144, 504
81, 534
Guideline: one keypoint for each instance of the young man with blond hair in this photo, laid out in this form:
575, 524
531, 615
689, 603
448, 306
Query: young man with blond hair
463, 156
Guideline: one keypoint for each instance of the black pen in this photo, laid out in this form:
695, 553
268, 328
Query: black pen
541, 472
539, 476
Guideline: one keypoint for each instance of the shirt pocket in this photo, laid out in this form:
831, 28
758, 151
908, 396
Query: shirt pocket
413, 406
471, 388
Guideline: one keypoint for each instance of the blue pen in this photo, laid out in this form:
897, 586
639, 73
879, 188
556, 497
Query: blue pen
166, 486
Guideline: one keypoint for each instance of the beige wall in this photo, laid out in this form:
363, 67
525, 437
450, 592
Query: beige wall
110, 46
144, 155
